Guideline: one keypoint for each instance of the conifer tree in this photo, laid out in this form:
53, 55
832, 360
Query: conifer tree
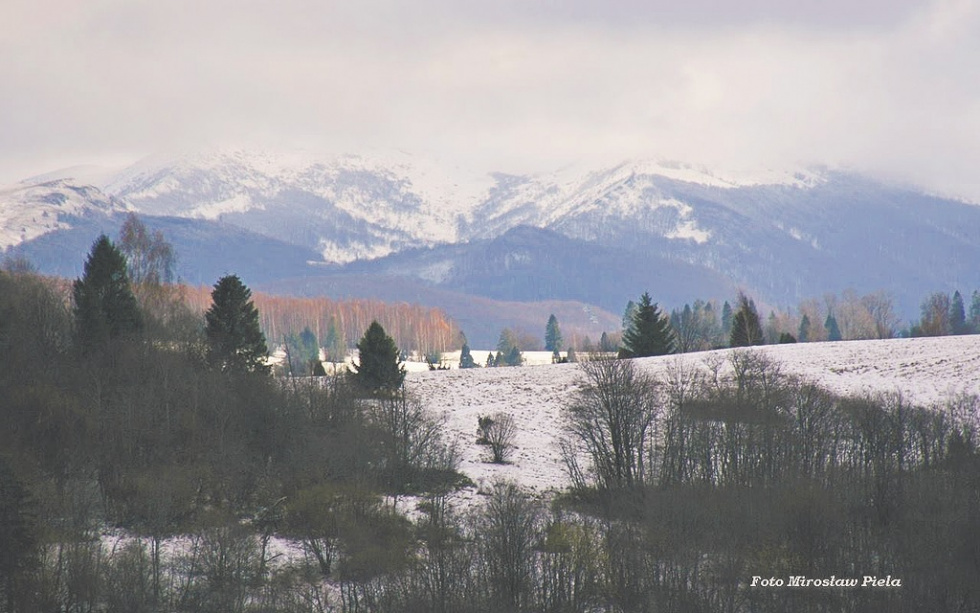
804, 332
379, 367
235, 341
974, 322
649, 333
833, 330
746, 327
552, 335
105, 307
466, 358
726, 319
957, 315
605, 343
514, 357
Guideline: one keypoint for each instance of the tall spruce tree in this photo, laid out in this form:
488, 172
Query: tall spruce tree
649, 332
746, 327
833, 330
726, 319
957, 315
552, 335
379, 367
235, 340
974, 321
105, 307
804, 332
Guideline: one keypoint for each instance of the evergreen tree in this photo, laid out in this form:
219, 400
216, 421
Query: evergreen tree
378, 357
833, 330
726, 319
606, 344
974, 322
746, 327
957, 315
235, 341
649, 332
105, 307
804, 332
772, 331
786, 338
514, 357
552, 335
466, 358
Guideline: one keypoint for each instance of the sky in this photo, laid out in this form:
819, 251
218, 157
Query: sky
886, 87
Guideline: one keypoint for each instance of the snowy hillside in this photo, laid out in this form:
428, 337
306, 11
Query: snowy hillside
927, 371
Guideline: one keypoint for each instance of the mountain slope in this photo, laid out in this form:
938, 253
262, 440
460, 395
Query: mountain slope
604, 235
534, 264
347, 207
29, 211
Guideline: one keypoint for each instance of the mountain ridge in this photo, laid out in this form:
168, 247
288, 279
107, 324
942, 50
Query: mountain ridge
782, 235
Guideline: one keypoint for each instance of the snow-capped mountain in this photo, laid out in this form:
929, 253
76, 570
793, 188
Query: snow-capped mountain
31, 210
669, 228
347, 208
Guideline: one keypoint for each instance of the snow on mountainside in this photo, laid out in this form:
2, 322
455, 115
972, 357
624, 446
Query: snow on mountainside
348, 207
28, 211
783, 235
361, 207
926, 371
627, 190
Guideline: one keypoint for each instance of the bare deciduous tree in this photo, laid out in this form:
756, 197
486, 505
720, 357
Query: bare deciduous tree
508, 530
611, 419
498, 432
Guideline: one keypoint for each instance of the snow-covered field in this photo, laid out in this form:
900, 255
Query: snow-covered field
924, 370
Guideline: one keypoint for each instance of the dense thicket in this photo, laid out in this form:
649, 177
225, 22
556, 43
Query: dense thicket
153, 442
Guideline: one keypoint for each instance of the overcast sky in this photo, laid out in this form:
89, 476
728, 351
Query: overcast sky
886, 86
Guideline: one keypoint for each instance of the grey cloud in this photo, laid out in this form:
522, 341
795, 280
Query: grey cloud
888, 87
